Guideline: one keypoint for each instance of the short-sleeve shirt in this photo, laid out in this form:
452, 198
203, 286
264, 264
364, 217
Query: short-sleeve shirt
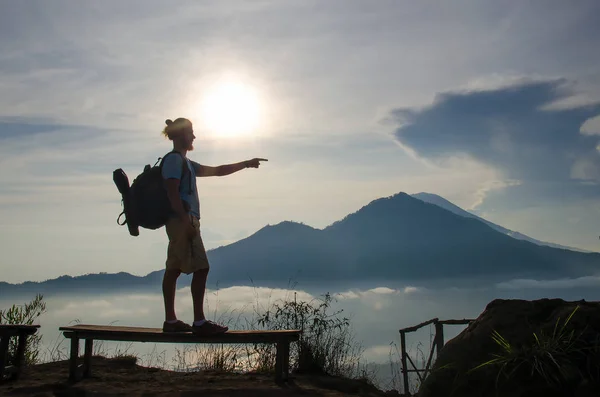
188, 191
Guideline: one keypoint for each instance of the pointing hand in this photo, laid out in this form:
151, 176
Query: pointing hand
254, 163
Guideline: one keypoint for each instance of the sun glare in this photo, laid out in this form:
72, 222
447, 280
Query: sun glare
231, 109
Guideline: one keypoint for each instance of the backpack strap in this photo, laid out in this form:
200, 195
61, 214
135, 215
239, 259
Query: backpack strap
119, 218
184, 168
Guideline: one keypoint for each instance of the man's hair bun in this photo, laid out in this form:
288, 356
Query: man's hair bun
176, 127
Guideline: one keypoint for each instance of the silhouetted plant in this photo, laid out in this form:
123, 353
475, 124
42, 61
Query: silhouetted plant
26, 315
325, 346
210, 357
553, 357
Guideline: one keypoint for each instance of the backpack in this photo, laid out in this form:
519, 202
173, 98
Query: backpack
145, 202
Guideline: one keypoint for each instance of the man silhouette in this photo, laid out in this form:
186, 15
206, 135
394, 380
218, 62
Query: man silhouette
186, 253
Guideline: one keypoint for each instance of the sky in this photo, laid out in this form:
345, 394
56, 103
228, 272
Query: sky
494, 106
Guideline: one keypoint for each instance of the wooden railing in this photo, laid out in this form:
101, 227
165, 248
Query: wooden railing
436, 346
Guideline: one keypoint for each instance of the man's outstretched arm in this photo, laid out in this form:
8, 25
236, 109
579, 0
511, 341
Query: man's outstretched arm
226, 169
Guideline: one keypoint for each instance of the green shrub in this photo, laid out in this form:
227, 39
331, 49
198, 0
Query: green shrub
26, 315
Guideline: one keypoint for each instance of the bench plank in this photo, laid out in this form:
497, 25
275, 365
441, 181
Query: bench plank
145, 330
141, 334
17, 329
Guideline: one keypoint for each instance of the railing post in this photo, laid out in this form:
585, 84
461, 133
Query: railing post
404, 364
438, 344
434, 346
439, 337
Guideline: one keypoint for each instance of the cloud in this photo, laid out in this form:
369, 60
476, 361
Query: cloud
45, 162
374, 293
16, 128
411, 290
540, 151
488, 187
382, 291
591, 126
377, 353
348, 295
581, 282
231, 301
367, 294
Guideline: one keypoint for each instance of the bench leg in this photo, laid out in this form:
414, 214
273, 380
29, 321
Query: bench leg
286, 360
87, 358
3, 354
282, 361
73, 359
20, 358
278, 363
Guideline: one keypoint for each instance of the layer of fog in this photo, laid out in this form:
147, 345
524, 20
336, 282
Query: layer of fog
375, 313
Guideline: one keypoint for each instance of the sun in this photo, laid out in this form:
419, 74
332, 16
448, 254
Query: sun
231, 108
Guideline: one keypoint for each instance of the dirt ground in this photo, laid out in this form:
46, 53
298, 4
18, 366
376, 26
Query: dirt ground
122, 377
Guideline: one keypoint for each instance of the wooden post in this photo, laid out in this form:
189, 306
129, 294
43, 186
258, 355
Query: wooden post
73, 359
20, 358
439, 337
286, 359
3, 354
433, 347
87, 358
279, 362
403, 358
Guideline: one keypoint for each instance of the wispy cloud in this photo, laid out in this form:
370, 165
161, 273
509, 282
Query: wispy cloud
591, 126
379, 291
519, 284
541, 152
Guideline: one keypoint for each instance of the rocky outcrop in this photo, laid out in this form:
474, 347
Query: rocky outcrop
546, 347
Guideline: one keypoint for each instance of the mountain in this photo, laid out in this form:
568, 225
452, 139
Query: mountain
447, 205
394, 238
85, 284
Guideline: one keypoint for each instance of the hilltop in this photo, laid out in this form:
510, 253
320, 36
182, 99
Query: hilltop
396, 238
123, 377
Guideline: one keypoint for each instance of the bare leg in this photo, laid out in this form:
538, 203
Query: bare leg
169, 286
198, 288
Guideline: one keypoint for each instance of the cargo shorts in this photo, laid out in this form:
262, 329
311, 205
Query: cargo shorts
183, 253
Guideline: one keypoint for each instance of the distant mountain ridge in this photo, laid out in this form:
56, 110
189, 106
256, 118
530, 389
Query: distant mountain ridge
447, 205
398, 238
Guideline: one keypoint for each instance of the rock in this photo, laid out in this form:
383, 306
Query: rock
563, 361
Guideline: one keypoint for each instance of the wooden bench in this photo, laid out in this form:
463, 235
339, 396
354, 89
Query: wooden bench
137, 334
6, 332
